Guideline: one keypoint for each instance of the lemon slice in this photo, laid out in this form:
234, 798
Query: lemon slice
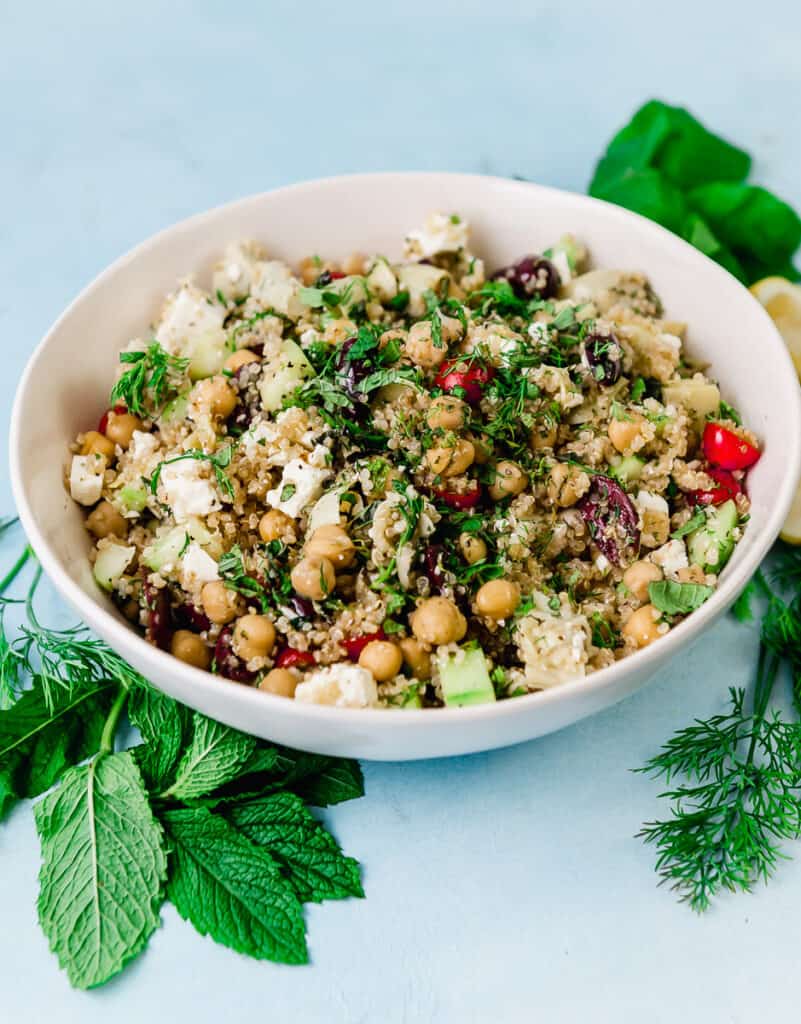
782, 301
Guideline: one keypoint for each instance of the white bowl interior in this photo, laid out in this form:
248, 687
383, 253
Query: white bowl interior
67, 382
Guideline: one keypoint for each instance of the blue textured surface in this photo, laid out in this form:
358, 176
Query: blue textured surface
503, 887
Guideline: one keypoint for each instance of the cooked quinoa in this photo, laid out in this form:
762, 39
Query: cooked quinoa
411, 484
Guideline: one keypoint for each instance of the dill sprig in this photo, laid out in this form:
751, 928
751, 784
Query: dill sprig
219, 462
740, 794
153, 373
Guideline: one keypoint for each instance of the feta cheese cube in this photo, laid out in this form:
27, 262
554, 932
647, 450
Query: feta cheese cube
440, 233
197, 567
301, 483
554, 648
275, 287
671, 557
233, 276
86, 478
187, 492
188, 315
340, 686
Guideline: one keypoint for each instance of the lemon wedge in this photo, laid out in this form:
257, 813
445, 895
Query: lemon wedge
782, 301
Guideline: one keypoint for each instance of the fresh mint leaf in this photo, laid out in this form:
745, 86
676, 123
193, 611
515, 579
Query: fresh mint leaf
166, 727
338, 781
103, 868
232, 890
741, 609
309, 856
214, 756
38, 743
672, 598
7, 795
695, 522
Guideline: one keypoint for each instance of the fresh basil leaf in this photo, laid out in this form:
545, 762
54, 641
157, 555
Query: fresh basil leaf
103, 868
672, 598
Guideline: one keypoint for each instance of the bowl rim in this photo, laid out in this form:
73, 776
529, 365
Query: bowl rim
121, 637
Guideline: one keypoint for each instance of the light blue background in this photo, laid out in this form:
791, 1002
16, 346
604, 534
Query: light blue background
504, 887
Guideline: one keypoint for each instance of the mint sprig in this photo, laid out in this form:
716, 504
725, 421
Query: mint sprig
196, 813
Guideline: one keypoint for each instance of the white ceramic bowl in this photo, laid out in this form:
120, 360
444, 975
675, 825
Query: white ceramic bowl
66, 383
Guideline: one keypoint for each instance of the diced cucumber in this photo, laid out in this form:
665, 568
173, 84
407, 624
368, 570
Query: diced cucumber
175, 410
133, 499
628, 470
381, 281
166, 549
352, 290
283, 375
465, 678
700, 397
416, 278
111, 562
206, 354
711, 545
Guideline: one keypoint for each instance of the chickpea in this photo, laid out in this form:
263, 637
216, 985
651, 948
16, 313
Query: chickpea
623, 433
451, 459
190, 648
105, 521
438, 621
566, 484
240, 358
382, 658
276, 525
220, 604
313, 577
310, 269
691, 574
473, 548
393, 334
509, 481
332, 542
447, 413
121, 426
421, 349
639, 576
641, 626
543, 434
95, 443
482, 448
354, 264
451, 328
279, 681
416, 657
217, 394
254, 637
498, 599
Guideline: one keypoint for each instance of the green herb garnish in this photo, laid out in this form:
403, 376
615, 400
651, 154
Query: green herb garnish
153, 374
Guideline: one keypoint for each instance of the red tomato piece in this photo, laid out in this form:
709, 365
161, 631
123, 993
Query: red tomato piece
728, 486
290, 657
470, 377
354, 645
724, 448
467, 499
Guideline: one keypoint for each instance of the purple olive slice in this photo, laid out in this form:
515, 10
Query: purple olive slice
611, 519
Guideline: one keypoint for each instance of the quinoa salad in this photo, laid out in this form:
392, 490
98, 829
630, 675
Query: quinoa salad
415, 483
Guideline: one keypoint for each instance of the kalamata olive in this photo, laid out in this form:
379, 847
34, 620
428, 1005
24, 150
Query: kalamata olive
433, 571
468, 375
531, 275
159, 619
603, 357
351, 373
611, 519
460, 500
228, 664
291, 657
328, 276
188, 616
354, 645
303, 607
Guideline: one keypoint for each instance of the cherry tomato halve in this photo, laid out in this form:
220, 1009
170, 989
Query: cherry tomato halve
728, 486
723, 448
467, 499
354, 645
290, 657
470, 377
